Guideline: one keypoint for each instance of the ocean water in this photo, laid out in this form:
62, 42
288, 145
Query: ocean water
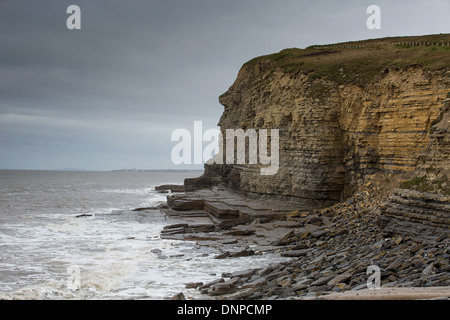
47, 252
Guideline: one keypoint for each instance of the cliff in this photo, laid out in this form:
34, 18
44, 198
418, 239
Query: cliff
364, 161
346, 113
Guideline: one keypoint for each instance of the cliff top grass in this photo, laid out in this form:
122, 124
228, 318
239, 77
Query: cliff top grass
359, 62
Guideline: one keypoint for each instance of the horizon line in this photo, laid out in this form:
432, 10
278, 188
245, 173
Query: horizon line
97, 170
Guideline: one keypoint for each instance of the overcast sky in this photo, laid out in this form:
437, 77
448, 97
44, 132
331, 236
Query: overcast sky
108, 96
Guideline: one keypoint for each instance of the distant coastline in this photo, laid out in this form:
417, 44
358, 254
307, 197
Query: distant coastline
157, 170
116, 170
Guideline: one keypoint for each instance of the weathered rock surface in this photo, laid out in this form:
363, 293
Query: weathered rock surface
170, 187
332, 136
362, 181
338, 262
226, 208
410, 210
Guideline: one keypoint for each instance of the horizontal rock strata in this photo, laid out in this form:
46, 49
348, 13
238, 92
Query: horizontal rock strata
416, 209
329, 251
363, 176
334, 132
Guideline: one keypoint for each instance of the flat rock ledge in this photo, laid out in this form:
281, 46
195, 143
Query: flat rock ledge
170, 187
328, 251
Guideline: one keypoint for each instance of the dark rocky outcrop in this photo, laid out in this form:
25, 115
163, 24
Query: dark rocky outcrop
170, 187
363, 176
335, 132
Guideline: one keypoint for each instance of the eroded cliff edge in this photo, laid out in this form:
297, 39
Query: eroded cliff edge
346, 114
364, 159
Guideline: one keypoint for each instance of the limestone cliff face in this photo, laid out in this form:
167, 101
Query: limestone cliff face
387, 125
333, 133
311, 142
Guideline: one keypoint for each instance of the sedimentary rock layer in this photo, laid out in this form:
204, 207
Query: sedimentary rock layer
334, 131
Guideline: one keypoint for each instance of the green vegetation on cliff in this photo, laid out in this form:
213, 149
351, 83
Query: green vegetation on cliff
426, 184
359, 62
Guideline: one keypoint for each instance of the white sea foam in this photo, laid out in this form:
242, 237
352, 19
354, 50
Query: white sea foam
128, 191
114, 249
68, 225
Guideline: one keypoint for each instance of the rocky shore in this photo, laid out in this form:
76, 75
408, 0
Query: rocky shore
363, 179
330, 249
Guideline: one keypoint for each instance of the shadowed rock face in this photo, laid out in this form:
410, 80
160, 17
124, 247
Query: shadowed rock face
331, 136
382, 142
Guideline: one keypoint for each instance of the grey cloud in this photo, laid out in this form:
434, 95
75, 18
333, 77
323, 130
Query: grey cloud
111, 93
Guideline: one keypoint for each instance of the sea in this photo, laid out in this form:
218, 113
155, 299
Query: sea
73, 235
